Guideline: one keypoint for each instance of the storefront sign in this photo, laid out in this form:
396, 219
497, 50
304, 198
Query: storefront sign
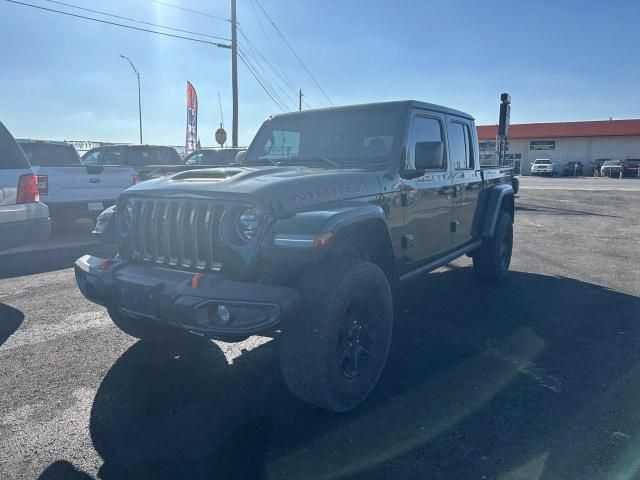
542, 145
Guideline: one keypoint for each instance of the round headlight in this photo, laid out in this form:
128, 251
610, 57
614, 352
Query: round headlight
247, 223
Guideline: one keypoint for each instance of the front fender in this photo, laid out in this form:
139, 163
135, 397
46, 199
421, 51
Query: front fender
490, 202
301, 229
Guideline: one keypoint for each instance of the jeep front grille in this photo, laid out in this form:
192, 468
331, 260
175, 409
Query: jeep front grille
182, 234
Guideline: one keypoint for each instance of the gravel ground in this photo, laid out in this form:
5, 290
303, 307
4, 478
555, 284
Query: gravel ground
535, 378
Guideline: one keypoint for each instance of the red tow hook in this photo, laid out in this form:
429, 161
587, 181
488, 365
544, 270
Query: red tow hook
195, 281
105, 263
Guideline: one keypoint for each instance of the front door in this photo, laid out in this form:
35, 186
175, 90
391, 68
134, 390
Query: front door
426, 198
466, 178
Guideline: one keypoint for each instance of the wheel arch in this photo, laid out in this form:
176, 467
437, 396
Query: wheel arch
491, 202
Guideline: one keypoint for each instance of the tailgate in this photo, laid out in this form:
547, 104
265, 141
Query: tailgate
86, 183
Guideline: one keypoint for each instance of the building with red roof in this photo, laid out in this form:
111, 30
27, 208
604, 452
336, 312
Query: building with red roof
564, 143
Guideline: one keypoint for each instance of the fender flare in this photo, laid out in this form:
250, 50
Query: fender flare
490, 203
309, 224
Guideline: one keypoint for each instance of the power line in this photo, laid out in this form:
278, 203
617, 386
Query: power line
134, 20
266, 37
254, 48
294, 52
197, 12
264, 76
221, 45
266, 80
265, 72
261, 84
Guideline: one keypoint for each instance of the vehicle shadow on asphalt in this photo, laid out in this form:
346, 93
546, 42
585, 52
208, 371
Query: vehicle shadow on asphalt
531, 378
32, 263
546, 210
10, 321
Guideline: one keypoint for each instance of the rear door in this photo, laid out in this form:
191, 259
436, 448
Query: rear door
427, 198
465, 176
13, 164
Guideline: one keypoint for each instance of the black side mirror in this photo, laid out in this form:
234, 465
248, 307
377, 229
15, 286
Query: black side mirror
429, 156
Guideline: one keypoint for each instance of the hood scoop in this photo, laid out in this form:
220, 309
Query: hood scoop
208, 175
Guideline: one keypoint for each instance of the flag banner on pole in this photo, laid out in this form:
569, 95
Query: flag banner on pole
192, 119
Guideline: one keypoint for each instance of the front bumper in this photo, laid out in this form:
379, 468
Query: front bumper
169, 297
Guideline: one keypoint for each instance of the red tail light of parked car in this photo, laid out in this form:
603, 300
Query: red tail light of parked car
28, 189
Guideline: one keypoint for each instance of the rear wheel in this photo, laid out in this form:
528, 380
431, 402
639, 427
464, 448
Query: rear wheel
491, 261
332, 355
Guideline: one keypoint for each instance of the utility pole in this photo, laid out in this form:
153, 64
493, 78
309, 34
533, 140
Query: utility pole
234, 73
300, 100
139, 97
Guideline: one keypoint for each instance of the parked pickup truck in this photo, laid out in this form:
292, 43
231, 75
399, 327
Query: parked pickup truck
308, 240
70, 189
148, 161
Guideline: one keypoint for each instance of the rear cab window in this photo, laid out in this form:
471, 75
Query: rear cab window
50, 154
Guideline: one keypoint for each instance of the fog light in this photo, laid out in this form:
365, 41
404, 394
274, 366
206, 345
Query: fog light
224, 314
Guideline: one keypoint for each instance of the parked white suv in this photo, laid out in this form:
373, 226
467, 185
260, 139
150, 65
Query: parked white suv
542, 166
23, 219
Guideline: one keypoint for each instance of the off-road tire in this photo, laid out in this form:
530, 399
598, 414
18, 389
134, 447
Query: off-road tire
148, 331
346, 309
491, 261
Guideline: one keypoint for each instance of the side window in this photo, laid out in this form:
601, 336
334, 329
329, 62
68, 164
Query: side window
194, 159
459, 147
423, 129
91, 158
112, 156
11, 155
285, 144
169, 157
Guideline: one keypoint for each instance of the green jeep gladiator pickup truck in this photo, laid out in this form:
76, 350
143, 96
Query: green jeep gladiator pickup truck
307, 240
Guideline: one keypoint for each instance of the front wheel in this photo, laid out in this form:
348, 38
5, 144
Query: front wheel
491, 261
333, 353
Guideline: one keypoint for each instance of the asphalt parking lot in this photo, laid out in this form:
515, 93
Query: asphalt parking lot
535, 378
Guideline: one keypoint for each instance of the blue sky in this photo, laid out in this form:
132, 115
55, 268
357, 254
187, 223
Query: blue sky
62, 78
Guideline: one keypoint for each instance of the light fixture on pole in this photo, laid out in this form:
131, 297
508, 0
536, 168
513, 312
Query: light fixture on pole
139, 97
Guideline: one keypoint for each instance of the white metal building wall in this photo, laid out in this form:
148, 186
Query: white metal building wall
576, 149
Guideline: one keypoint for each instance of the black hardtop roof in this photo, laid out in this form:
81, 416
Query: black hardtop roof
397, 104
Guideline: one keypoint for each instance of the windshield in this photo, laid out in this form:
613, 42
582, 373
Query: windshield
357, 137
612, 162
50, 154
212, 157
542, 162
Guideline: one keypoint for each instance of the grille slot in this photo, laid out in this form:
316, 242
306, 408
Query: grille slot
177, 233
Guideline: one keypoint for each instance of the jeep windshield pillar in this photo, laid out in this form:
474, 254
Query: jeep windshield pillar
306, 240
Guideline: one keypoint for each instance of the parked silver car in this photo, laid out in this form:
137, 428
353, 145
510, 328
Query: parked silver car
23, 219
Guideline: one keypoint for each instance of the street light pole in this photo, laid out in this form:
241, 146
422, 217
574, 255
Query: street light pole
139, 96
234, 75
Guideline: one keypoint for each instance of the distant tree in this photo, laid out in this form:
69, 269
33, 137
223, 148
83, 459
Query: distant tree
198, 146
